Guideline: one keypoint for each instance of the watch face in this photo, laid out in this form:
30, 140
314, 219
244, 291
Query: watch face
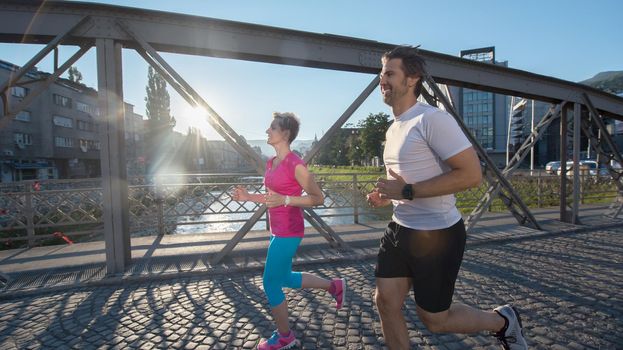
407, 192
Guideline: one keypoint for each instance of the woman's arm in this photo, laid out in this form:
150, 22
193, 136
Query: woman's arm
241, 194
306, 180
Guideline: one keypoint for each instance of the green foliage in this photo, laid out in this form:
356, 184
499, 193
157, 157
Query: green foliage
356, 145
372, 134
75, 75
335, 151
607, 81
160, 123
158, 100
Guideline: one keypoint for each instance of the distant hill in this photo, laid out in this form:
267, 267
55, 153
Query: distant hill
267, 150
607, 81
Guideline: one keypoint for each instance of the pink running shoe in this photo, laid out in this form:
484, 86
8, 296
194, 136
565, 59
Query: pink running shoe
339, 291
276, 342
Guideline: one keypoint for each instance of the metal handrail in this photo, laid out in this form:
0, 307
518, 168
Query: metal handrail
167, 205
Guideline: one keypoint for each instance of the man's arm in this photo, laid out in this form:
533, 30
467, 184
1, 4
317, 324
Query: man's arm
465, 173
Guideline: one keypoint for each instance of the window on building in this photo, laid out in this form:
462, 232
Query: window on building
19, 91
65, 122
85, 125
62, 100
83, 107
87, 108
90, 145
66, 142
22, 138
23, 116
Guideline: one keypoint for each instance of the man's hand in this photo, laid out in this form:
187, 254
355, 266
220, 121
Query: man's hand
391, 189
374, 199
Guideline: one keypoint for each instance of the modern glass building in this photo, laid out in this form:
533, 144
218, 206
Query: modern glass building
487, 114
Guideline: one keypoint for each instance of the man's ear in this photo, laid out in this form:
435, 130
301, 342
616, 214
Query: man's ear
412, 80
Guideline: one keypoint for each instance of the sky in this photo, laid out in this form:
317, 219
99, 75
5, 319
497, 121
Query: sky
571, 40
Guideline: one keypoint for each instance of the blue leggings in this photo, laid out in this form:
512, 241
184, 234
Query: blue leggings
278, 268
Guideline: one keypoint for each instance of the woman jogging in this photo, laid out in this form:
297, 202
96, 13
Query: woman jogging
285, 179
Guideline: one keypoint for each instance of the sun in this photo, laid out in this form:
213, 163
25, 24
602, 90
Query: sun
192, 118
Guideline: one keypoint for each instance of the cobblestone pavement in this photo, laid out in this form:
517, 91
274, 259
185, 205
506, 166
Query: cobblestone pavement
569, 290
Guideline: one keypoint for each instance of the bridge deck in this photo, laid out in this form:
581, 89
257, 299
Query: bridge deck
567, 282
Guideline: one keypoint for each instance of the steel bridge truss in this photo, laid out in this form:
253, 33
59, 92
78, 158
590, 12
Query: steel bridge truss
112, 28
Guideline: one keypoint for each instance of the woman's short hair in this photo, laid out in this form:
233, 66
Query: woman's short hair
288, 121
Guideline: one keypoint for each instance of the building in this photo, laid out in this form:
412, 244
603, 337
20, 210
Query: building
224, 158
57, 134
487, 114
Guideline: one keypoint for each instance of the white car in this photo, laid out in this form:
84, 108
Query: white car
552, 167
587, 167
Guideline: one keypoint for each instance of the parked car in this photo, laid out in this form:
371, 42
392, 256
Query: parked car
587, 167
552, 167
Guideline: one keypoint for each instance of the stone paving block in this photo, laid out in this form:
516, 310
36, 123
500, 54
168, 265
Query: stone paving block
563, 286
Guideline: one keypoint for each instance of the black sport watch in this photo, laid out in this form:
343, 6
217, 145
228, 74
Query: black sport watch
407, 192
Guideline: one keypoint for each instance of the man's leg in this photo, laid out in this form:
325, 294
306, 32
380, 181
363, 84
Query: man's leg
461, 318
389, 298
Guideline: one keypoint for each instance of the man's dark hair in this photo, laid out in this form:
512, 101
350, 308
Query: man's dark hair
412, 63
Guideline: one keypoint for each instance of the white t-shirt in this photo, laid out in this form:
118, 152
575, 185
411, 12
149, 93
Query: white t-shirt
416, 145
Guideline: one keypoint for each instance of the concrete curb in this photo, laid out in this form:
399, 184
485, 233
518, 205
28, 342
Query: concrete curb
356, 254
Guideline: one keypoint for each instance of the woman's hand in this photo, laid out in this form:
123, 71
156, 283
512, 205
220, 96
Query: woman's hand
240, 193
274, 199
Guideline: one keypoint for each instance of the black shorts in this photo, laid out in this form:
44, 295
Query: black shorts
431, 258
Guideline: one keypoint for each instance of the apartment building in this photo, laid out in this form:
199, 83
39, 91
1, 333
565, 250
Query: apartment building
57, 134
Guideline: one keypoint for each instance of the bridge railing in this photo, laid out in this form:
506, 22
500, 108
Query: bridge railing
59, 211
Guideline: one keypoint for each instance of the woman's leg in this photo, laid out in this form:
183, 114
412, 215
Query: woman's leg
313, 281
278, 274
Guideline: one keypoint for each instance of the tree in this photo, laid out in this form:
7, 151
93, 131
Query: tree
160, 123
336, 150
75, 75
372, 134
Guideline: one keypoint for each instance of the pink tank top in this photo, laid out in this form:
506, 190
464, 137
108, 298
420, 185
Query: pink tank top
285, 221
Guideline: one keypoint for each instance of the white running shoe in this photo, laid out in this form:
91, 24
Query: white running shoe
511, 337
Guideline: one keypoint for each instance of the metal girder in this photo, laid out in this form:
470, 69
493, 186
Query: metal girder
616, 154
335, 241
512, 199
16, 79
38, 22
229, 134
192, 97
114, 172
597, 143
232, 243
575, 126
12, 112
494, 187
532, 139
51, 45
577, 120
564, 215
616, 208
342, 119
